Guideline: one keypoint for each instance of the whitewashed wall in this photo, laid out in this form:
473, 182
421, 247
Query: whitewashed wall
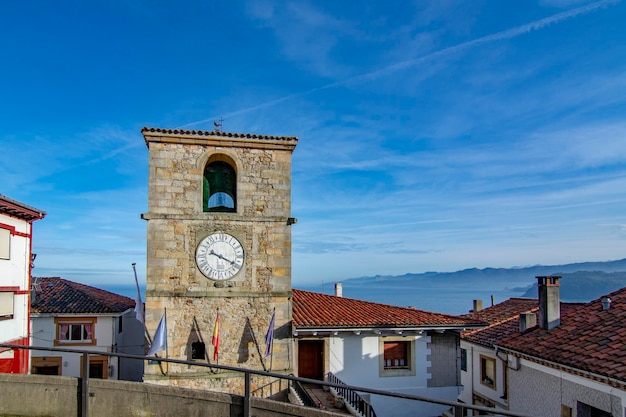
43, 334
14, 273
356, 361
470, 379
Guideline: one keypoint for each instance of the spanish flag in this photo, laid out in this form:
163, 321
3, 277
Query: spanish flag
215, 340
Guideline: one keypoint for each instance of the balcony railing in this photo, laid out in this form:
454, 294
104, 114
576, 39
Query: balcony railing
352, 397
458, 409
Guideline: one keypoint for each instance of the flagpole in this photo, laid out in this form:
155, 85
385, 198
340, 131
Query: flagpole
138, 300
215, 338
167, 356
256, 343
269, 341
272, 344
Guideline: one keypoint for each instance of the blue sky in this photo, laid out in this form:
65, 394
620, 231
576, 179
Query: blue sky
434, 135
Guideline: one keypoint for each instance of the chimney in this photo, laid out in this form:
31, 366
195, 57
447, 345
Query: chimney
527, 321
478, 305
338, 290
606, 303
549, 302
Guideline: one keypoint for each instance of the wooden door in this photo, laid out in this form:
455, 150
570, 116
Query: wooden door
311, 359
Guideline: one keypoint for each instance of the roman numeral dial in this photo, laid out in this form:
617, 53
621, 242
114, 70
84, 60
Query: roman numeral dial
219, 256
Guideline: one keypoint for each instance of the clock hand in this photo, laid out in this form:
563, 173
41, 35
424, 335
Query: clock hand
221, 257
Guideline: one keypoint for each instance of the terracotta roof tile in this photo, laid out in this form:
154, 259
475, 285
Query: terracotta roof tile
61, 296
217, 133
503, 319
589, 338
314, 310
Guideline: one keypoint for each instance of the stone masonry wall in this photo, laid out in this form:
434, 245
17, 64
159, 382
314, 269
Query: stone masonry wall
176, 224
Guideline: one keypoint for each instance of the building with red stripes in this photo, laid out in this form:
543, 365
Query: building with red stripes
16, 261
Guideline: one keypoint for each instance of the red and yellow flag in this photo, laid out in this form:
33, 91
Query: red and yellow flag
215, 340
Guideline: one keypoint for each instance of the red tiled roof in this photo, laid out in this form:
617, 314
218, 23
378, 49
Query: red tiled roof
14, 208
217, 133
504, 310
588, 338
61, 296
503, 319
314, 310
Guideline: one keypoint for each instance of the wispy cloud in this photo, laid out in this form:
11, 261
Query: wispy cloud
441, 53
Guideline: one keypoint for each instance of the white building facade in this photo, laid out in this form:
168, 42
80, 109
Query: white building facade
16, 230
76, 316
543, 390
378, 346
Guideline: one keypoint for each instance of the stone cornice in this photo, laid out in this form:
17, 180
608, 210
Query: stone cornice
215, 138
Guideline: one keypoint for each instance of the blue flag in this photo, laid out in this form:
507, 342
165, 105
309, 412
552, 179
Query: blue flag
160, 338
269, 336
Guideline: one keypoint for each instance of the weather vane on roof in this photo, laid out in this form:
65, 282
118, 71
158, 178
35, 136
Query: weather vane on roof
218, 126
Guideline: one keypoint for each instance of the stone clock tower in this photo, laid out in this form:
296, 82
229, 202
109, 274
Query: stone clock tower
219, 240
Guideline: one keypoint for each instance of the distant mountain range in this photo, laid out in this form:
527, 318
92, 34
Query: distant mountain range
583, 281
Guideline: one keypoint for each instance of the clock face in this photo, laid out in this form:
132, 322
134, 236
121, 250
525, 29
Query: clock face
219, 256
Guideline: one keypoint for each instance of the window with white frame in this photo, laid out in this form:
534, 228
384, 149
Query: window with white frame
6, 305
75, 331
5, 243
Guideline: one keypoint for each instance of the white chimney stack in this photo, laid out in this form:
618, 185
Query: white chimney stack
338, 290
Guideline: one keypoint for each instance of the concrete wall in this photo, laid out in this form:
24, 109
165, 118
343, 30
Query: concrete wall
131, 341
538, 390
38, 395
444, 360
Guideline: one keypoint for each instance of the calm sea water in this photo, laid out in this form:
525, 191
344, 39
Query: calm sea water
452, 300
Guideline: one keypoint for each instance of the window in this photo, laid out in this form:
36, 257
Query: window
396, 356
586, 410
197, 350
488, 371
219, 187
79, 331
6, 304
98, 367
464, 360
5, 243
46, 365
566, 411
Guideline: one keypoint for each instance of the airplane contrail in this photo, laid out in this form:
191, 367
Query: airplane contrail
505, 34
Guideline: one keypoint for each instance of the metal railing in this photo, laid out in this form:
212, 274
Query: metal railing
270, 389
459, 409
353, 398
304, 395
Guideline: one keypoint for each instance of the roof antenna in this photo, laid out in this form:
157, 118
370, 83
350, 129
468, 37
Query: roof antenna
218, 126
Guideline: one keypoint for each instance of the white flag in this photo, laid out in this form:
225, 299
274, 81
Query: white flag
160, 338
